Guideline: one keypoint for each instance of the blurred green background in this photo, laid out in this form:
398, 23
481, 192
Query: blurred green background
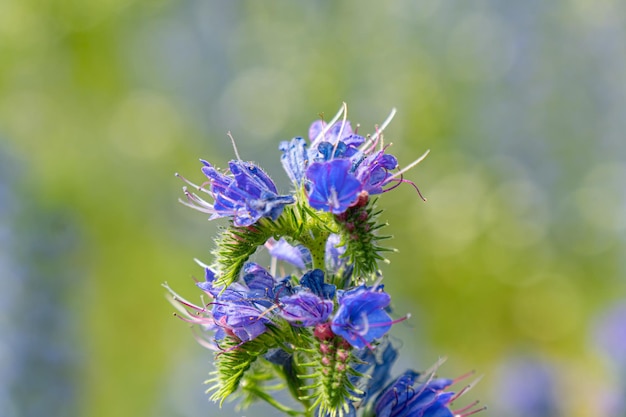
506, 269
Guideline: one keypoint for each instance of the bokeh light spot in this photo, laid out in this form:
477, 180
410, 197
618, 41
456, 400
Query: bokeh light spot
244, 103
549, 310
480, 47
601, 200
520, 214
145, 125
454, 211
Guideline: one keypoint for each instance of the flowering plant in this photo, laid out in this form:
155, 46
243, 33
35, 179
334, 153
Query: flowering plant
321, 329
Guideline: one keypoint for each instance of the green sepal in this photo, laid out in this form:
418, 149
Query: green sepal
298, 223
236, 362
358, 228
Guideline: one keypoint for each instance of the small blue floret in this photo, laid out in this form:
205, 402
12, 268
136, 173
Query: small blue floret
361, 317
409, 395
333, 187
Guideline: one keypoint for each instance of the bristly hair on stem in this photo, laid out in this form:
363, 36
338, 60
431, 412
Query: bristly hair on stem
235, 245
359, 232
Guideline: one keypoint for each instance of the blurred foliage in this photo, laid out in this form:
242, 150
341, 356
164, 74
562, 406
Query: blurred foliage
519, 247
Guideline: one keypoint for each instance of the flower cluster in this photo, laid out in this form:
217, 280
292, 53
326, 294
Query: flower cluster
317, 317
338, 165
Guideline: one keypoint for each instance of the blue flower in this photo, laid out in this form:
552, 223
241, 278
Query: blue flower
416, 394
246, 195
294, 159
365, 161
260, 283
368, 166
373, 171
333, 187
338, 131
241, 309
298, 256
361, 317
374, 365
239, 315
305, 309
314, 281
278, 356
406, 397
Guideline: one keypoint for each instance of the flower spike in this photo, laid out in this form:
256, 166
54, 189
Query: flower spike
310, 314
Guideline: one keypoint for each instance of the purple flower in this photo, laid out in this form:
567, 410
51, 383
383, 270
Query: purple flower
373, 171
371, 168
415, 394
294, 159
333, 187
207, 284
260, 283
246, 195
241, 309
339, 131
377, 363
314, 281
361, 317
305, 309
298, 256
278, 356
406, 397
238, 315
339, 141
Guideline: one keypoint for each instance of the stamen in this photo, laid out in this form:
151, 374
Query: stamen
408, 316
402, 180
173, 296
326, 128
373, 146
343, 125
467, 407
232, 140
376, 283
190, 305
433, 369
462, 377
466, 389
197, 187
266, 312
411, 165
196, 203
380, 130
202, 341
202, 264
189, 319
471, 412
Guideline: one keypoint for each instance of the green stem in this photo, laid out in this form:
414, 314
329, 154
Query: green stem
270, 400
236, 244
317, 246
